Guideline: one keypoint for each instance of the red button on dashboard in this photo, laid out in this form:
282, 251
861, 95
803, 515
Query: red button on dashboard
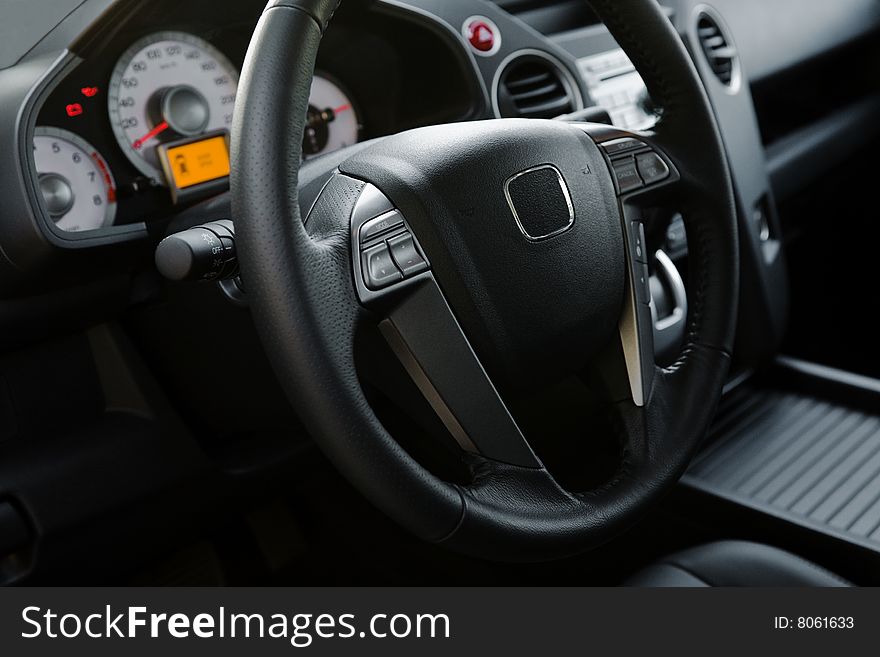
483, 35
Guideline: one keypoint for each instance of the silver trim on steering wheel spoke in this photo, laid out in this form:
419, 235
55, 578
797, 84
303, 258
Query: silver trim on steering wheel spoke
642, 173
424, 334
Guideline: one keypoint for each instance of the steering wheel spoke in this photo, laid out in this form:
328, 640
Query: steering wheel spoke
393, 277
644, 176
424, 334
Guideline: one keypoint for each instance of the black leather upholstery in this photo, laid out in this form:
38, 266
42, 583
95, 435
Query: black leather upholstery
734, 563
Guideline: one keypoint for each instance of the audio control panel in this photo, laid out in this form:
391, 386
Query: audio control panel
615, 86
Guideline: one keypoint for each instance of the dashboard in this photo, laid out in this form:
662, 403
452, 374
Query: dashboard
140, 129
131, 125
117, 112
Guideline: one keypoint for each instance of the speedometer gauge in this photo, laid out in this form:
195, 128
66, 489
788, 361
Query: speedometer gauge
77, 187
332, 121
165, 87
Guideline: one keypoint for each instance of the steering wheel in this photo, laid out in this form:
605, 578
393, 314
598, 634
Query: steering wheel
490, 254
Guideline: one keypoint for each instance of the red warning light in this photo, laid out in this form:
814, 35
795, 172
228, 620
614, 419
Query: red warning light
90, 92
74, 109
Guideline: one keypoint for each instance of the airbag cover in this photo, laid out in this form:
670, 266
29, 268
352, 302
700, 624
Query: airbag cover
537, 294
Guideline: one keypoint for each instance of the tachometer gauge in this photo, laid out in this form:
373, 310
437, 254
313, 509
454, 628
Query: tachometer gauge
78, 190
333, 122
165, 87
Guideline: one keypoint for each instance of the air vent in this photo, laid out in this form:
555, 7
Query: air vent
718, 48
535, 87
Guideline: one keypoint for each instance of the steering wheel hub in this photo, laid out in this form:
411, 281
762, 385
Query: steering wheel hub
521, 223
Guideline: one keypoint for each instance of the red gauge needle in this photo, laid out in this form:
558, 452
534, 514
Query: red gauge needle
341, 109
158, 130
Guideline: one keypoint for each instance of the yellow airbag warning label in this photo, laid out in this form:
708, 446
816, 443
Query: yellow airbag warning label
198, 162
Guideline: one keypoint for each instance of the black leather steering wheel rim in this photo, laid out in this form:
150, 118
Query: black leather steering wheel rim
307, 312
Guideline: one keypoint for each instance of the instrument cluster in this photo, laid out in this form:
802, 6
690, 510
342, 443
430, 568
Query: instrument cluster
140, 129
169, 105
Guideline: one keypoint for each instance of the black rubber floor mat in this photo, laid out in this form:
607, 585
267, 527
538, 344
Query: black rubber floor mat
811, 462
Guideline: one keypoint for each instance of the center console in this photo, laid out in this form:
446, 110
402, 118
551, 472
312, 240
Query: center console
801, 445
